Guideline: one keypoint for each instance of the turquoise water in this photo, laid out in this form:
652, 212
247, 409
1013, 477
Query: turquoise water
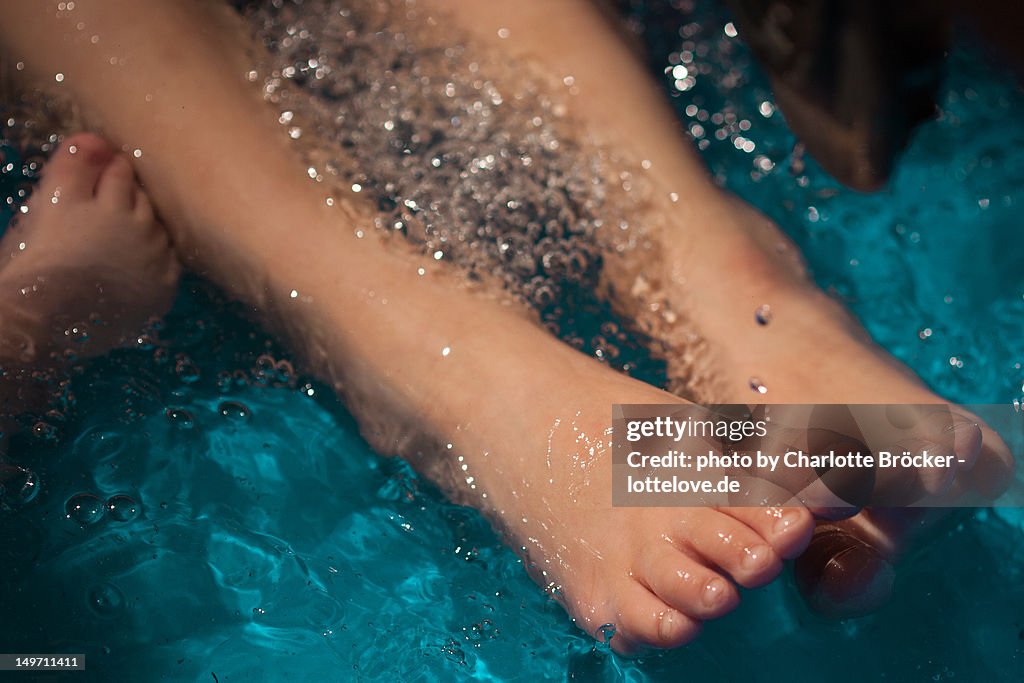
271, 544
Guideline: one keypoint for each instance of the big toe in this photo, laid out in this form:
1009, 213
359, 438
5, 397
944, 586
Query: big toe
76, 167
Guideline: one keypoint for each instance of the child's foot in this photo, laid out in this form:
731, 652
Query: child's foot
88, 264
720, 260
802, 347
648, 575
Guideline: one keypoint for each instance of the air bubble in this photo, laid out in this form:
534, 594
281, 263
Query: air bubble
453, 652
225, 381
44, 430
605, 633
18, 485
461, 170
763, 314
106, 601
84, 508
758, 386
122, 508
234, 410
543, 296
187, 371
180, 418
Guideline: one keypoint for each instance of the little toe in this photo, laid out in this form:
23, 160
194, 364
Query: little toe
787, 530
730, 545
116, 187
687, 585
74, 169
647, 622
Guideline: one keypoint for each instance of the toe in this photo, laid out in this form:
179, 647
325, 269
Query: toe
687, 585
116, 187
842, 576
75, 168
787, 530
647, 622
730, 545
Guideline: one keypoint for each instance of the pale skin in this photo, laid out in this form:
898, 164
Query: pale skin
241, 211
81, 271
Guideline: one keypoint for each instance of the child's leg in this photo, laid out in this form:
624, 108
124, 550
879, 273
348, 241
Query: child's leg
721, 260
465, 385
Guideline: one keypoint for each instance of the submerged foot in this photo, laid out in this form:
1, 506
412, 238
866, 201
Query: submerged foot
88, 263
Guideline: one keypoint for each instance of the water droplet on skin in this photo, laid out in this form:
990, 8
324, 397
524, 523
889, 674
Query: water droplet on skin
77, 333
763, 314
122, 508
234, 410
758, 386
85, 508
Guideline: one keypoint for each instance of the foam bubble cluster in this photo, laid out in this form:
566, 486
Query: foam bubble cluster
476, 172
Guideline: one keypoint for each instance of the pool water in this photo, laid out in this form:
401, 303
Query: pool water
265, 541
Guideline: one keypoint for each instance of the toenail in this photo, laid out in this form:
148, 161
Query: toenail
714, 592
785, 522
667, 625
966, 439
755, 558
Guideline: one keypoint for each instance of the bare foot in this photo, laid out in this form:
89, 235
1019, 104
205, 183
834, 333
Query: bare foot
713, 263
649, 575
770, 336
88, 264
